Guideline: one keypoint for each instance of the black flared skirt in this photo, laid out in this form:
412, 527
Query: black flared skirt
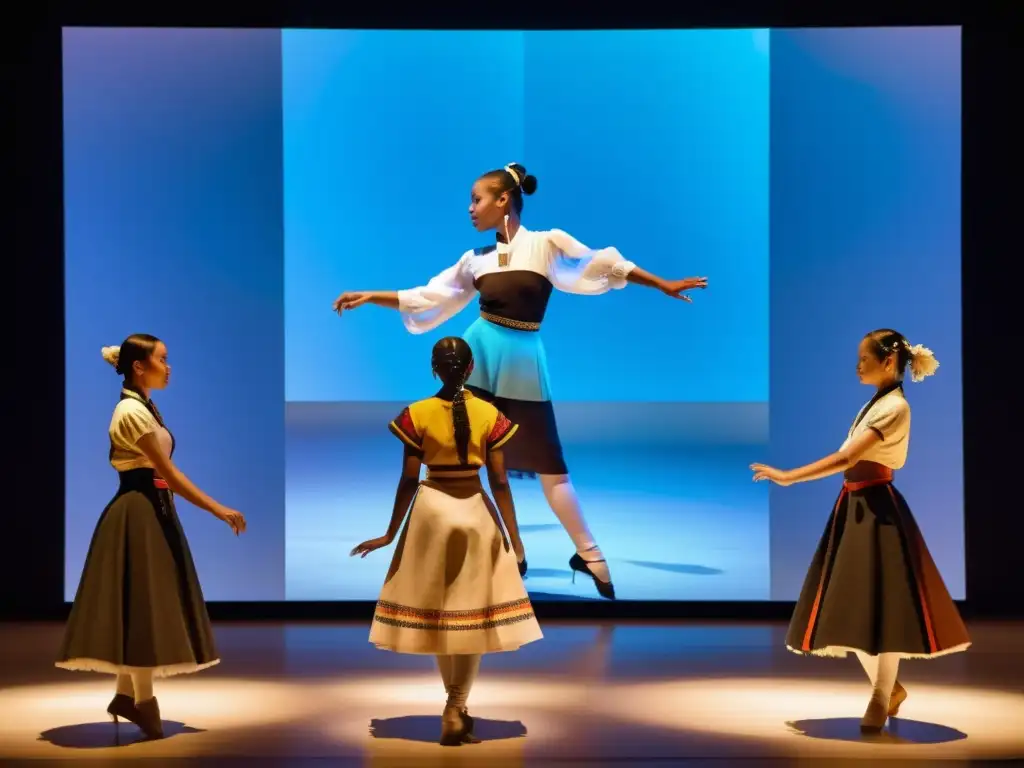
536, 449
873, 586
139, 604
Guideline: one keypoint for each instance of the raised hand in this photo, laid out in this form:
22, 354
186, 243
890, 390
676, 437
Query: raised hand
677, 288
764, 472
369, 546
351, 300
233, 518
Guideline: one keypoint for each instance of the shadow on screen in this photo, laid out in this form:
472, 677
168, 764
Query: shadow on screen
540, 527
694, 570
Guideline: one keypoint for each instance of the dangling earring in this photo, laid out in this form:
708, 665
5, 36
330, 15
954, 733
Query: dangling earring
505, 257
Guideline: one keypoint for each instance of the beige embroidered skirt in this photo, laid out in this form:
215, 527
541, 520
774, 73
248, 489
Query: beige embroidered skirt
454, 585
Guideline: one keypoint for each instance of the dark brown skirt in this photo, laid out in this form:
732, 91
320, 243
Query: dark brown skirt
139, 604
536, 448
873, 586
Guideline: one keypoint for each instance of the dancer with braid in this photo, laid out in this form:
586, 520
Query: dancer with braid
514, 279
453, 590
873, 588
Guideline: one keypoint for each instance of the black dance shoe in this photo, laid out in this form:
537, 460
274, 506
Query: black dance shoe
604, 588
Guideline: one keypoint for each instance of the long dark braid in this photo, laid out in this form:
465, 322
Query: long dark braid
452, 360
460, 419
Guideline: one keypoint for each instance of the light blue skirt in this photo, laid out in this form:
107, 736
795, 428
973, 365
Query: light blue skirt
511, 370
508, 364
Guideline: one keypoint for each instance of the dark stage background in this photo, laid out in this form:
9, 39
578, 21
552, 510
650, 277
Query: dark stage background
32, 550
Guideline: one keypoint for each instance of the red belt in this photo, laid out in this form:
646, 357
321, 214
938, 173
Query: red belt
873, 474
159, 482
860, 485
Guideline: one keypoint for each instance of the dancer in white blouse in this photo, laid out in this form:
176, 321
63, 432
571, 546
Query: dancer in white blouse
514, 279
872, 588
139, 611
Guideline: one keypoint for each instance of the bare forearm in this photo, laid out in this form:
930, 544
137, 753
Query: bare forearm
830, 465
181, 485
502, 494
403, 498
388, 299
639, 276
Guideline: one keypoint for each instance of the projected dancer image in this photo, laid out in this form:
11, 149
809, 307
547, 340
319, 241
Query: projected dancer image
139, 611
453, 589
514, 279
873, 588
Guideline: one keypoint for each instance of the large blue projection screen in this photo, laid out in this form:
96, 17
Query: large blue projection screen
249, 176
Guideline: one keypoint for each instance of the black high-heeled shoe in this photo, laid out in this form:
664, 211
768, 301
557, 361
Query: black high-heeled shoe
149, 720
604, 588
122, 707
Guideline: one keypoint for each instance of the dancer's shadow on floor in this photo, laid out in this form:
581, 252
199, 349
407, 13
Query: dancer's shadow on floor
427, 728
688, 569
105, 735
898, 731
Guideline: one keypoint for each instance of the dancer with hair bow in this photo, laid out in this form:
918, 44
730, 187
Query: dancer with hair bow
872, 588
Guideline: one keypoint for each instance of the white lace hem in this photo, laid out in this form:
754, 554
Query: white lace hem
106, 667
841, 651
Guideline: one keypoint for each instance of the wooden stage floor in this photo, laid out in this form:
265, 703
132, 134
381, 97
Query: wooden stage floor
588, 694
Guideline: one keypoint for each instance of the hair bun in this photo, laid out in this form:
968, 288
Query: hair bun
112, 355
922, 363
527, 184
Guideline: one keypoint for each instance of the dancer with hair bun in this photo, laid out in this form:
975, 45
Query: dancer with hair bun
514, 279
453, 590
139, 611
873, 588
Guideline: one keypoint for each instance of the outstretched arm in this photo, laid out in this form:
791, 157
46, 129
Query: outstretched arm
404, 494
575, 268
425, 307
180, 484
833, 464
639, 276
883, 424
352, 299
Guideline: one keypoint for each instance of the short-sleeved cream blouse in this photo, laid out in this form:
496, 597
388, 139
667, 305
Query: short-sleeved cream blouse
131, 420
889, 416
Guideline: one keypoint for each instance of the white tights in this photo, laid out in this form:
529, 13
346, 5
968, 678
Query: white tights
881, 670
138, 685
561, 497
458, 672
